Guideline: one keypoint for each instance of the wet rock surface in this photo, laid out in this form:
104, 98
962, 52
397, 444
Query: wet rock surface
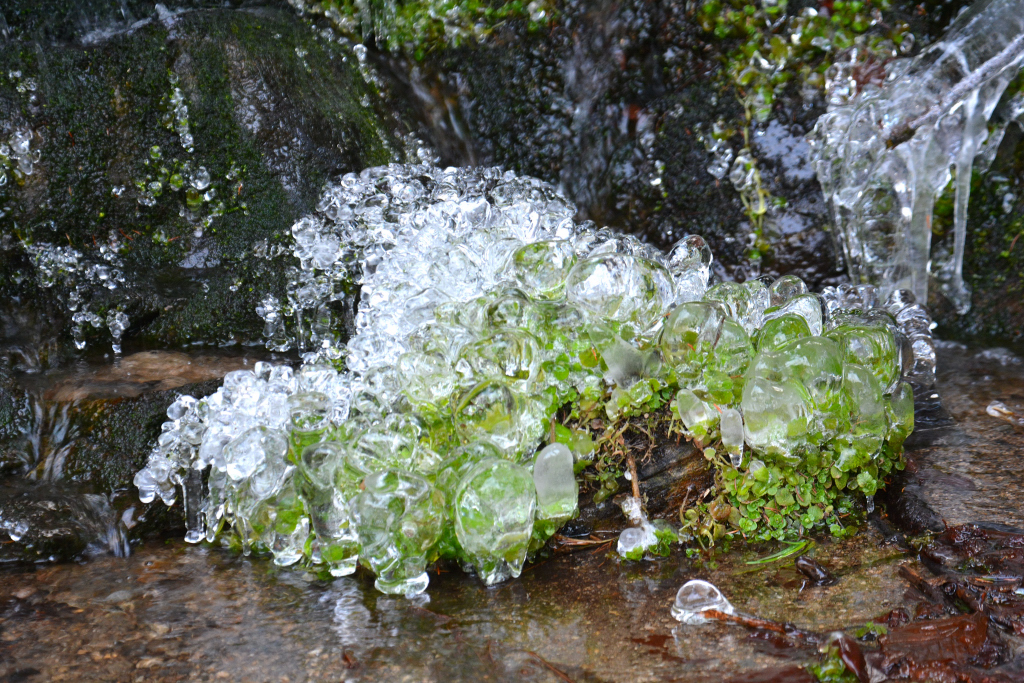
616, 106
963, 461
609, 622
172, 613
139, 373
81, 435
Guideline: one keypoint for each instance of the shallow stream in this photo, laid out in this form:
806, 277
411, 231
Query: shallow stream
172, 612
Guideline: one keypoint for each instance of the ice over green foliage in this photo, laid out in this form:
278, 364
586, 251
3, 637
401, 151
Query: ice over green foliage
484, 310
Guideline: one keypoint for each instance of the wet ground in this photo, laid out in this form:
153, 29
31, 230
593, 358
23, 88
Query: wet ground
172, 612
138, 373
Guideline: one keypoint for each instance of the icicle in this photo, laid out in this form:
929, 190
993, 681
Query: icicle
884, 157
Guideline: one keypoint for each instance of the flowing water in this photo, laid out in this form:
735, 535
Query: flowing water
174, 613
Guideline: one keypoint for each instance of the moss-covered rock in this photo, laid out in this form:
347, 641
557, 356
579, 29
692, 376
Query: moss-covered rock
994, 253
168, 155
114, 436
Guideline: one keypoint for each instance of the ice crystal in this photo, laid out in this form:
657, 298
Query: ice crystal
83, 277
483, 309
696, 597
884, 153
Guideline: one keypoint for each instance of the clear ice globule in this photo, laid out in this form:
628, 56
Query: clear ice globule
553, 478
696, 597
884, 156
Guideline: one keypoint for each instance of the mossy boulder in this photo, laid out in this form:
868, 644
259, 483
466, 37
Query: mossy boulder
994, 253
168, 154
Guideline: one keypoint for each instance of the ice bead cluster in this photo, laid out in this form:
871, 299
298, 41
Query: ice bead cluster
644, 537
884, 152
484, 308
17, 158
85, 279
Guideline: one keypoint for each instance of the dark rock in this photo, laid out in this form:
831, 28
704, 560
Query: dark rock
53, 522
671, 475
994, 256
13, 417
817, 574
273, 109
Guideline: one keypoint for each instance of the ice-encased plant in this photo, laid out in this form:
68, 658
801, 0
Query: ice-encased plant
484, 309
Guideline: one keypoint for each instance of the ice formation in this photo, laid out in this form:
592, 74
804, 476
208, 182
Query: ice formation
17, 158
885, 155
83, 277
696, 597
483, 309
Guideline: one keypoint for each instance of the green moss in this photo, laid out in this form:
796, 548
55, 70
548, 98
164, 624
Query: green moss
418, 27
771, 49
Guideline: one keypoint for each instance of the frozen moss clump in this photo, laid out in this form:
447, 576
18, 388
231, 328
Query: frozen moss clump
485, 309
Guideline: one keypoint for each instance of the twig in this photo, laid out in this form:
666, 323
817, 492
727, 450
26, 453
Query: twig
763, 624
550, 667
1006, 57
565, 540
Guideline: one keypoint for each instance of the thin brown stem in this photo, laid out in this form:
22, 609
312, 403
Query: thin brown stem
633, 478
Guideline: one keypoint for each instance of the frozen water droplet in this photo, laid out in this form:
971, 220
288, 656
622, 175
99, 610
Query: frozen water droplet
696, 597
557, 490
200, 178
